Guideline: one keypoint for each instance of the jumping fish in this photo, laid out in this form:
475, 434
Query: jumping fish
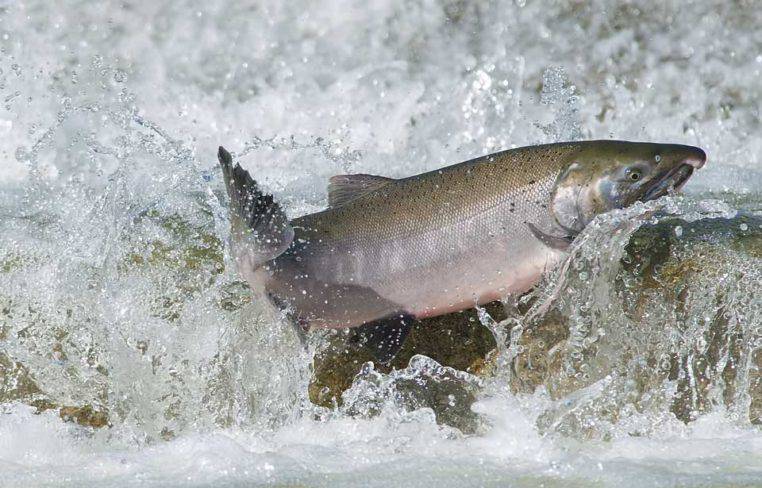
387, 252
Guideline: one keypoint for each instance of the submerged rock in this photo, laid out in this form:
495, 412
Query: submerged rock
423, 385
17, 385
454, 342
85, 416
673, 325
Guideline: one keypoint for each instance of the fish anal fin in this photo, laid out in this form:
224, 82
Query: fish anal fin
385, 337
561, 243
345, 188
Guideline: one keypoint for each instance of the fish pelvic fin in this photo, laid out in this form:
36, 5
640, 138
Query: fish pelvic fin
345, 188
384, 337
561, 243
259, 229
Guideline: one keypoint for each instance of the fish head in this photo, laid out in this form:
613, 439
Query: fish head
605, 175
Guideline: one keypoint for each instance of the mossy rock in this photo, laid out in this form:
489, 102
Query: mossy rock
665, 267
16, 382
86, 416
457, 340
18, 385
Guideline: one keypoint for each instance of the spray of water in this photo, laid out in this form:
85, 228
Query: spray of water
638, 359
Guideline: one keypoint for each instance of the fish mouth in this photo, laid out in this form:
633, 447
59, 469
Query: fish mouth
669, 181
672, 179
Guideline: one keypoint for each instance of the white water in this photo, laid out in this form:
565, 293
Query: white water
113, 292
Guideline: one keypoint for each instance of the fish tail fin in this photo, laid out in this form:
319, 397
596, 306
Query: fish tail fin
260, 230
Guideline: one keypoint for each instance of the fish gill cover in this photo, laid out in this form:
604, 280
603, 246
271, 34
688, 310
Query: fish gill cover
638, 360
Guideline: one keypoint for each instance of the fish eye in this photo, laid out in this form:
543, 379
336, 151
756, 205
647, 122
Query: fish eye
634, 174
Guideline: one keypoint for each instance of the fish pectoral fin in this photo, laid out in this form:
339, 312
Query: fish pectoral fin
561, 243
384, 337
345, 188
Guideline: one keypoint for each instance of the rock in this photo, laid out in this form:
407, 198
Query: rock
85, 416
456, 340
423, 386
678, 329
16, 383
755, 387
665, 320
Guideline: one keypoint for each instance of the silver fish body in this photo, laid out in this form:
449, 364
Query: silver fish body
448, 239
427, 245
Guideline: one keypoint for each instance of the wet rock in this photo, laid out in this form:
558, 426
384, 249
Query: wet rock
423, 385
86, 416
675, 325
755, 387
456, 340
17, 385
672, 324
174, 265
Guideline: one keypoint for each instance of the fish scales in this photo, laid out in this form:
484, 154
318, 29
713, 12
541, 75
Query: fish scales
413, 240
388, 252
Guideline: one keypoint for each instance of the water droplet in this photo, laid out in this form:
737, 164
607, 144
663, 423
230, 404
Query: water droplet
22, 154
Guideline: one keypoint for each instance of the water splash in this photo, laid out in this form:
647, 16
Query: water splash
654, 324
558, 92
116, 291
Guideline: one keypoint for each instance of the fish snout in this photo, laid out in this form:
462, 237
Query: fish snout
675, 172
695, 158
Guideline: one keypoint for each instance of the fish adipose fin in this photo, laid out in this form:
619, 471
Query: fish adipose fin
561, 243
260, 230
384, 337
345, 188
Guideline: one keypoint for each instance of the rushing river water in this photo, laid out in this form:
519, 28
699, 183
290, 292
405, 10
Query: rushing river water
119, 302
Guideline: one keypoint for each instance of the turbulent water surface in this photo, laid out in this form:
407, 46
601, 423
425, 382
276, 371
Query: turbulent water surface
120, 307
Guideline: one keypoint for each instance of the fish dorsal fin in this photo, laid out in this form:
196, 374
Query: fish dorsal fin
345, 188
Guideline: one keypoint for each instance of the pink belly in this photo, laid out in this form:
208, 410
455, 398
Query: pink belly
462, 287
